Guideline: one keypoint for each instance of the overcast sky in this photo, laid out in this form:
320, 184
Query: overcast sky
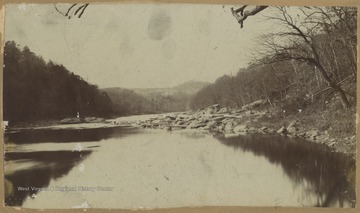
138, 45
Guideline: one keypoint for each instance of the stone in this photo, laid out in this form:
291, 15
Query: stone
282, 130
156, 122
292, 130
269, 130
312, 134
240, 128
168, 128
212, 109
223, 110
303, 134
172, 117
212, 124
292, 123
205, 128
255, 104
229, 127
217, 118
227, 120
196, 124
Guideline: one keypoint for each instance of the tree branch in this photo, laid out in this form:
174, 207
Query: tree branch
244, 14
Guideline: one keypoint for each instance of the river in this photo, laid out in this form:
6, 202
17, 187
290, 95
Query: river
128, 167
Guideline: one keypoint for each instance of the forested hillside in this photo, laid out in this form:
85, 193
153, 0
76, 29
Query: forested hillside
34, 89
153, 100
308, 64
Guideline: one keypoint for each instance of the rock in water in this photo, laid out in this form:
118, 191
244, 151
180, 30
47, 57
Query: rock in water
282, 130
292, 130
312, 134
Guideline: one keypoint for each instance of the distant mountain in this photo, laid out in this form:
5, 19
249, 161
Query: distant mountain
187, 88
191, 87
154, 100
127, 102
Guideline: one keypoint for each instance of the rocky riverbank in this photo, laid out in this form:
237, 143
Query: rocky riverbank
252, 118
233, 122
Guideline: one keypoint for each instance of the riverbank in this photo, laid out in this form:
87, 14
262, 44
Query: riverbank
66, 123
333, 129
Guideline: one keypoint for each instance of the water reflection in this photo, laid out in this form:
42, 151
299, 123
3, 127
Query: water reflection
178, 167
32, 170
67, 135
312, 167
53, 165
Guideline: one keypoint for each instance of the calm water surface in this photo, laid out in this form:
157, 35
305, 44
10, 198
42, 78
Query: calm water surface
123, 167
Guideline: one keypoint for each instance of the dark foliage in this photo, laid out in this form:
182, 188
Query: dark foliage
36, 90
128, 102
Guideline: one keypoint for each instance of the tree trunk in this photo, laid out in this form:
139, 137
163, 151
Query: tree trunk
343, 97
332, 84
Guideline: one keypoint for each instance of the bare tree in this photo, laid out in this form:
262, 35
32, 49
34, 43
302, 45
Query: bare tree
300, 41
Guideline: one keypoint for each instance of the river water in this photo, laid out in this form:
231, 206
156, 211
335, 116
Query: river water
127, 167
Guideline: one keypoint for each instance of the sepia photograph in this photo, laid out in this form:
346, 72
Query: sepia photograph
149, 105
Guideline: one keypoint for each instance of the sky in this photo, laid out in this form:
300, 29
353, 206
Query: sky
138, 45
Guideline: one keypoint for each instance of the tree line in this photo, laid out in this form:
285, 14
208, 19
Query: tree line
312, 58
37, 90
34, 89
128, 102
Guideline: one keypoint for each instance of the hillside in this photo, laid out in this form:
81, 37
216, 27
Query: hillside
153, 100
35, 90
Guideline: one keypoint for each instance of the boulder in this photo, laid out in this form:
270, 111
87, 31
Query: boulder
255, 104
282, 130
312, 134
212, 124
303, 134
223, 110
168, 128
217, 118
172, 117
240, 128
292, 130
196, 124
205, 128
156, 122
229, 127
292, 123
227, 120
